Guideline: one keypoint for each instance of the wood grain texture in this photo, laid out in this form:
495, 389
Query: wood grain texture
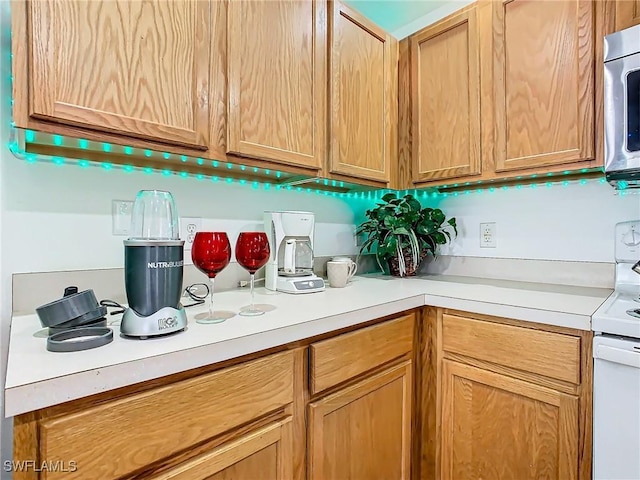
201, 406
257, 455
20, 63
363, 96
25, 445
498, 427
363, 431
138, 68
549, 354
401, 174
543, 381
217, 104
426, 393
338, 359
487, 91
491, 45
446, 99
544, 82
585, 408
627, 13
299, 412
218, 81
277, 80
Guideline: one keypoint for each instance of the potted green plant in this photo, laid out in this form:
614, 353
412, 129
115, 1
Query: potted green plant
404, 233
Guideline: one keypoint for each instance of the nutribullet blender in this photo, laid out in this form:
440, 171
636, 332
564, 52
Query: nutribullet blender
153, 267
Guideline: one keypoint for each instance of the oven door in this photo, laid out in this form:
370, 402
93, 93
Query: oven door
616, 408
622, 113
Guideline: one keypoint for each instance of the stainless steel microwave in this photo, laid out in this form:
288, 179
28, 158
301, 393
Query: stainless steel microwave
622, 108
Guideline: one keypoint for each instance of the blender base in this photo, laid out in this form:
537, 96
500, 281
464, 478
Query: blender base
164, 321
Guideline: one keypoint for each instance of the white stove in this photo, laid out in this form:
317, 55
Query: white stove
619, 315
616, 374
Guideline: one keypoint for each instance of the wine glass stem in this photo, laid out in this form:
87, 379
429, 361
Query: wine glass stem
252, 307
211, 279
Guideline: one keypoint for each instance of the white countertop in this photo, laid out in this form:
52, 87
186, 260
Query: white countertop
37, 378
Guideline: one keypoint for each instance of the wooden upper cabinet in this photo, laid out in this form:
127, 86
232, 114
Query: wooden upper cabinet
494, 426
627, 13
363, 96
543, 82
363, 431
277, 80
445, 91
136, 68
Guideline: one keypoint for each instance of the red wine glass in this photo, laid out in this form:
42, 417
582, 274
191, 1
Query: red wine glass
252, 253
211, 253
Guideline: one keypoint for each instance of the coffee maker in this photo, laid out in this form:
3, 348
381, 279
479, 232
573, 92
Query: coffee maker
290, 266
153, 268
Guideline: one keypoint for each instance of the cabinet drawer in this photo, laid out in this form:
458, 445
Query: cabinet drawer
139, 430
338, 359
553, 355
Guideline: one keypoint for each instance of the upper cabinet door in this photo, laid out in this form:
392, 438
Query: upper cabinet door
445, 90
136, 68
543, 68
277, 80
627, 13
363, 96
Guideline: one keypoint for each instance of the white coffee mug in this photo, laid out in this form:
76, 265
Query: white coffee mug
339, 273
347, 260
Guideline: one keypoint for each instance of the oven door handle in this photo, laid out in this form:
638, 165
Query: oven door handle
617, 355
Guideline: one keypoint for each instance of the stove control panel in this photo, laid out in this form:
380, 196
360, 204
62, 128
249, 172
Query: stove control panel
628, 242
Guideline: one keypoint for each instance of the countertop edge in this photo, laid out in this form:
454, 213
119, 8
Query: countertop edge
26, 398
527, 314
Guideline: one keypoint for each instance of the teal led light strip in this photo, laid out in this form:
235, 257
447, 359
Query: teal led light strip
172, 169
463, 189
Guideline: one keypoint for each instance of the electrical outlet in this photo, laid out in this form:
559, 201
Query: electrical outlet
188, 228
121, 217
488, 235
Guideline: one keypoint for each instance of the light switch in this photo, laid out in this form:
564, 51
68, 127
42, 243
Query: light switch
121, 217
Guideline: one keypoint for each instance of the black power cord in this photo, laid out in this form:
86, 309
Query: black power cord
197, 299
112, 304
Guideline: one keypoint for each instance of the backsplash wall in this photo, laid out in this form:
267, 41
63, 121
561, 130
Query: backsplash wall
573, 222
60, 216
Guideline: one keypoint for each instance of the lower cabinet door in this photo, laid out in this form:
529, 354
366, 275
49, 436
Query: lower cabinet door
263, 454
363, 431
497, 427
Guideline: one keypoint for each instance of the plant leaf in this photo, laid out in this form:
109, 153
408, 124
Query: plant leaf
439, 238
452, 222
388, 197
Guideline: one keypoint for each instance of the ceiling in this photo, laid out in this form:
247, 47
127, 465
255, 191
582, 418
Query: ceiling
396, 16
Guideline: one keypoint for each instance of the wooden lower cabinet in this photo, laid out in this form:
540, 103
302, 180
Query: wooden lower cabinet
255, 419
501, 399
363, 431
495, 426
440, 394
263, 454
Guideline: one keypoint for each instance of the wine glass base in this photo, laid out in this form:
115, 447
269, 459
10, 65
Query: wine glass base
251, 312
219, 316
